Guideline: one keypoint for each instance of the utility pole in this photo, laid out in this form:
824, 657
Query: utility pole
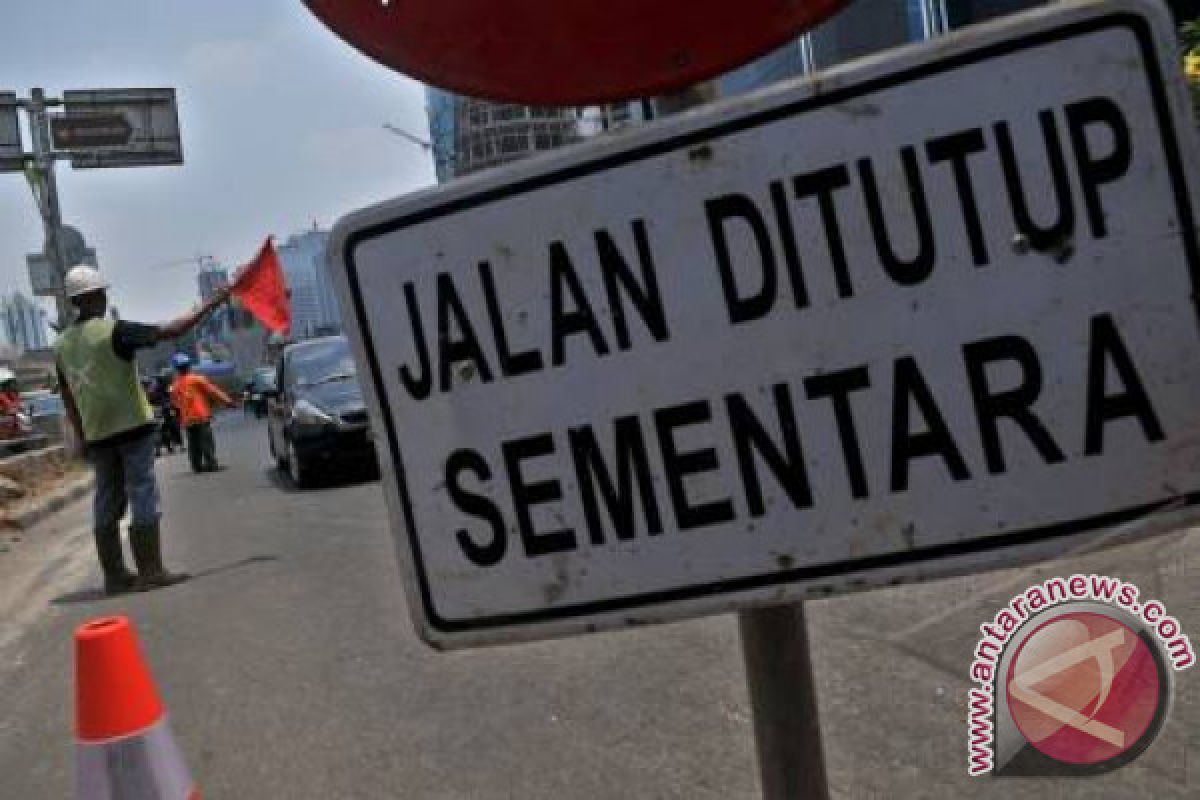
40, 173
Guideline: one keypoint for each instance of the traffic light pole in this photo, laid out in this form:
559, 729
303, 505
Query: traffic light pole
45, 189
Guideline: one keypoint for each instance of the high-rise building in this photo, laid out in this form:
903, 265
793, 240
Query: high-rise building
786, 62
210, 279
862, 28
865, 27
958, 13
443, 131
469, 135
615, 116
315, 310
22, 323
490, 134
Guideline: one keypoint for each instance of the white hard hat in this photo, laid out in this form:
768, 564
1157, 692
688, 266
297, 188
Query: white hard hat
7, 375
82, 280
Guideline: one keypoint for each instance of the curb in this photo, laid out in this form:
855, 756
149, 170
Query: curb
48, 504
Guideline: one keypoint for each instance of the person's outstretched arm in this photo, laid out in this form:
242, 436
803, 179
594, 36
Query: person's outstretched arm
215, 392
181, 325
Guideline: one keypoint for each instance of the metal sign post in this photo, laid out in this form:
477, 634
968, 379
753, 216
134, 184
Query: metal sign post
783, 701
99, 128
45, 188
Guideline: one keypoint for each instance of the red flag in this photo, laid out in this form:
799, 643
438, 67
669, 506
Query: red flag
261, 290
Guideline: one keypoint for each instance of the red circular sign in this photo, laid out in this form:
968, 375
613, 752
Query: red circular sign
567, 52
1084, 689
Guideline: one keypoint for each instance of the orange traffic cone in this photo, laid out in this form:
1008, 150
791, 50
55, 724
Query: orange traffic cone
124, 748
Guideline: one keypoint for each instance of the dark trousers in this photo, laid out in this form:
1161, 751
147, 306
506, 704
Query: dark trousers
125, 478
202, 448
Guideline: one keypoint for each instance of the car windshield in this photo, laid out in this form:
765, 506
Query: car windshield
321, 362
264, 378
45, 404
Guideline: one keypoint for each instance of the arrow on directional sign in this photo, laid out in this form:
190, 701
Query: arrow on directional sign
84, 131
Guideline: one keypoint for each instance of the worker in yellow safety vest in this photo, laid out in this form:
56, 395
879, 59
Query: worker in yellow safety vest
109, 413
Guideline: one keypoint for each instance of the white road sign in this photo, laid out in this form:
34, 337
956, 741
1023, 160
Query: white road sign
43, 277
927, 314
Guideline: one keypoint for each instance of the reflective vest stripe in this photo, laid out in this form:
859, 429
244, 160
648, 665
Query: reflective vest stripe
145, 766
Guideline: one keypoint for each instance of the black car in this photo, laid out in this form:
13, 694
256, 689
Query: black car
316, 416
260, 386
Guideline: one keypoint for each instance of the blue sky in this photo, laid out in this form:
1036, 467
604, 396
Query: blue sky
281, 120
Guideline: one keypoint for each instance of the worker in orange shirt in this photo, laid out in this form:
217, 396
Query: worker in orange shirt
193, 395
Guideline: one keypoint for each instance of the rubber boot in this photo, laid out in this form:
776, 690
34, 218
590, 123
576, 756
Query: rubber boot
117, 578
147, 553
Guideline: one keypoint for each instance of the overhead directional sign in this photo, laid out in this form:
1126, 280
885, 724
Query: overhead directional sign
931, 314
568, 53
94, 128
12, 157
84, 131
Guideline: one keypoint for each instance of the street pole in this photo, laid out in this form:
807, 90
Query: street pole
783, 699
779, 672
47, 198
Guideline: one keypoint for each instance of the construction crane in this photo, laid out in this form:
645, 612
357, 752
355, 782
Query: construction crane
200, 261
204, 263
417, 140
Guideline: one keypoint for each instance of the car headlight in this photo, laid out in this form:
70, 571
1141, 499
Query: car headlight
305, 413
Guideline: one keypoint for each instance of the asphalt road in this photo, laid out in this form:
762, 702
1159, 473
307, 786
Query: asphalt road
291, 671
